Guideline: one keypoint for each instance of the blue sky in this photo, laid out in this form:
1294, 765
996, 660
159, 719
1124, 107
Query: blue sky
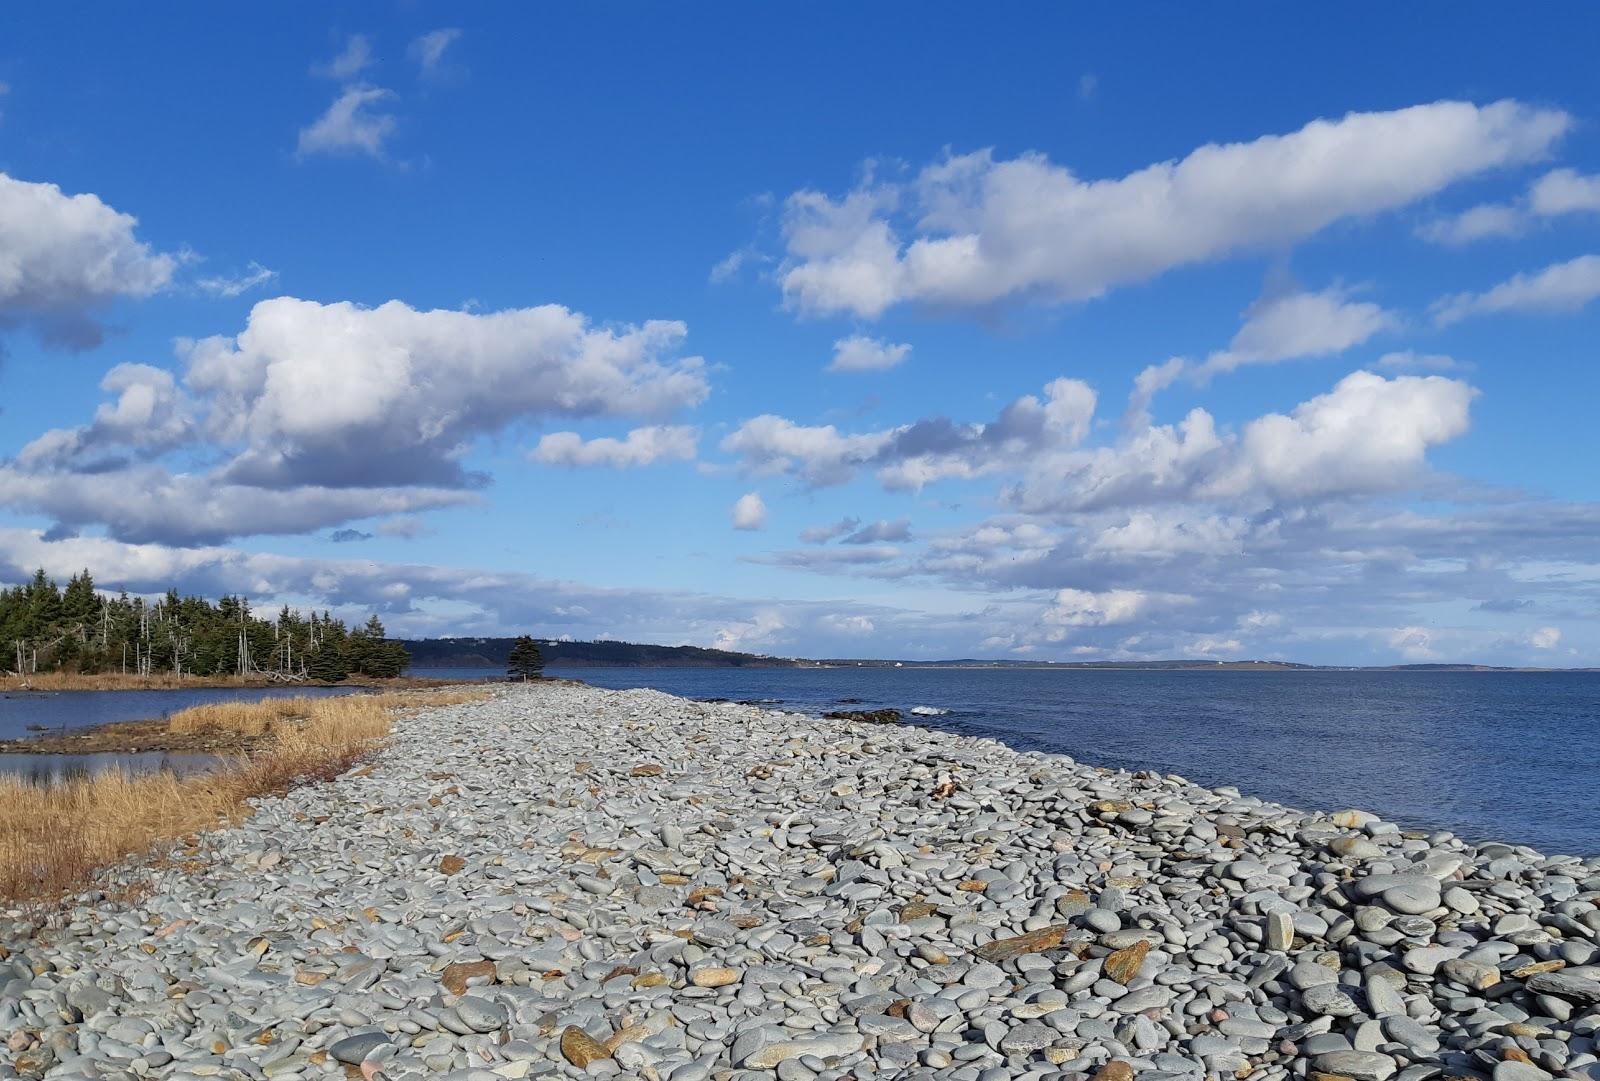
816, 332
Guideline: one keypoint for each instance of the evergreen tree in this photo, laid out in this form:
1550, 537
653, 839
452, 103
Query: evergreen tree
525, 662
80, 603
371, 653
44, 604
327, 664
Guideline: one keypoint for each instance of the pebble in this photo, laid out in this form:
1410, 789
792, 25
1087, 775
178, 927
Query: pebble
821, 1047
481, 1015
1512, 1070
1360, 1065
1329, 999
1566, 985
355, 1049
1280, 931
714, 976
1027, 1038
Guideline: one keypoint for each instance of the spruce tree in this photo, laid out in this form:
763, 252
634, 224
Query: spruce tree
79, 603
369, 652
327, 664
525, 662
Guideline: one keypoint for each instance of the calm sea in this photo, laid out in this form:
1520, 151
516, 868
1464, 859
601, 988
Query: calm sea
1503, 756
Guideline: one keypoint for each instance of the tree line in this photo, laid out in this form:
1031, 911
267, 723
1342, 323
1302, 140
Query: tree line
45, 628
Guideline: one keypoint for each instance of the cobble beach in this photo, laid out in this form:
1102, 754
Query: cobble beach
564, 881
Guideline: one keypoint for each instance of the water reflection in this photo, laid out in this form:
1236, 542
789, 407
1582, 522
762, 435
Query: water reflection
48, 769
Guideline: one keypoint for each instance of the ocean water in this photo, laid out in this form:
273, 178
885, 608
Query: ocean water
1505, 756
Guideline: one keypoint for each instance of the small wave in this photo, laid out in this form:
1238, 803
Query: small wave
928, 711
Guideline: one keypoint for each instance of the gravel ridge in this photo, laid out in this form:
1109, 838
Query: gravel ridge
563, 881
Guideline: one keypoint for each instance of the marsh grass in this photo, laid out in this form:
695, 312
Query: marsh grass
270, 716
55, 837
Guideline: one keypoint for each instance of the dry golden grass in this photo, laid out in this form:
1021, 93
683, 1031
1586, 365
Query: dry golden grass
268, 716
54, 837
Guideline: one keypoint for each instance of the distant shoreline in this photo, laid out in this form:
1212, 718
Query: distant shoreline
1045, 666
484, 653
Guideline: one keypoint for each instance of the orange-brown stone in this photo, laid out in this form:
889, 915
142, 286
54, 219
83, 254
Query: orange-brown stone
457, 973
1124, 965
1045, 938
1115, 1070
580, 1048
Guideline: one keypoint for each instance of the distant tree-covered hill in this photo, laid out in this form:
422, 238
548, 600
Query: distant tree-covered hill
494, 652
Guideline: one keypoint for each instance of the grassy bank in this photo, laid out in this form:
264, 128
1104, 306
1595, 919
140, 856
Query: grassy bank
53, 838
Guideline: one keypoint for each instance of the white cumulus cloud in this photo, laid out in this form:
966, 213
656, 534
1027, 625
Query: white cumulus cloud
232, 285
1288, 326
641, 446
821, 454
1545, 637
1168, 535
145, 503
354, 124
984, 229
1476, 223
1087, 608
63, 256
1564, 191
1557, 289
1556, 193
749, 512
1368, 434
149, 413
910, 456
1413, 643
342, 394
428, 50
353, 59
1300, 325
862, 354
321, 414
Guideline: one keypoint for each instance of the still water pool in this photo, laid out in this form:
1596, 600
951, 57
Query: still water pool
27, 713
33, 713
